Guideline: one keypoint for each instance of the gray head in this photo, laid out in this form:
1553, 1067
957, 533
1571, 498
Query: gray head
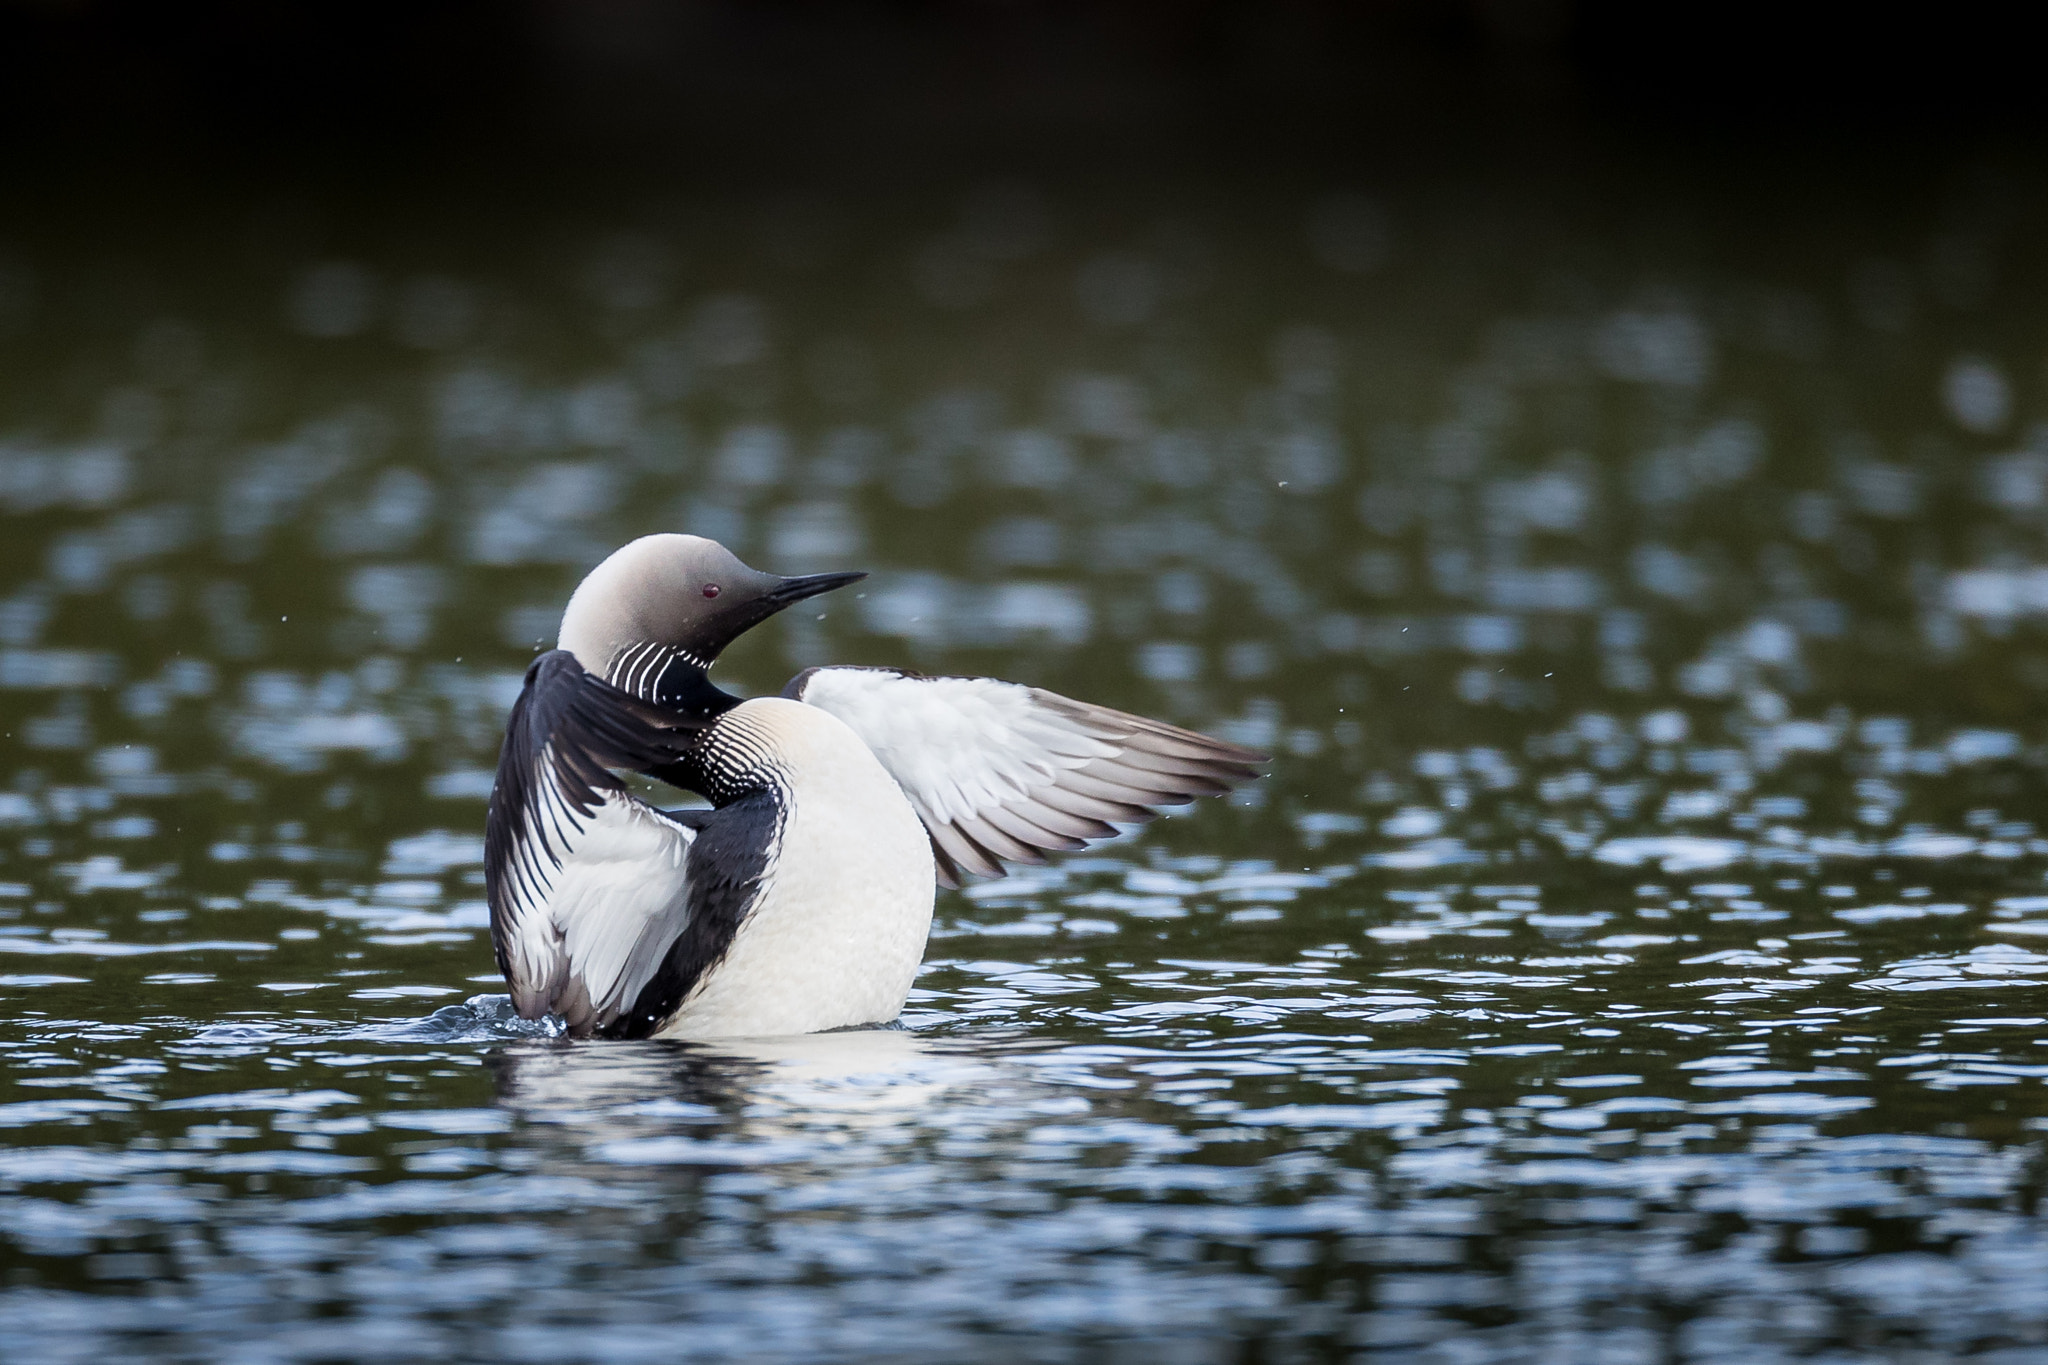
685, 592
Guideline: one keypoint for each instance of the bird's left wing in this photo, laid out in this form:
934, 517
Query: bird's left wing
1000, 772
586, 882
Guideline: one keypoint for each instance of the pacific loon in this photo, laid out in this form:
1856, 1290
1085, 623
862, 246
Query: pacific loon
802, 899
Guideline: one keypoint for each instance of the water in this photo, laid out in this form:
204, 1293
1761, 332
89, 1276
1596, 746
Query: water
1638, 952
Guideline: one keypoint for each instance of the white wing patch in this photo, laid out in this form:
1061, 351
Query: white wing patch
593, 903
1001, 772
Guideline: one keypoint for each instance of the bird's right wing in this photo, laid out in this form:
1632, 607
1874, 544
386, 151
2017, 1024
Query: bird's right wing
1002, 772
587, 884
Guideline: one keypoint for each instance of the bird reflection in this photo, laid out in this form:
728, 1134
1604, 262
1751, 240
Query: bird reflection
810, 1089
541, 1078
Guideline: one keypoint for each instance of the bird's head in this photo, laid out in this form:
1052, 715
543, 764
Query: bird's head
684, 595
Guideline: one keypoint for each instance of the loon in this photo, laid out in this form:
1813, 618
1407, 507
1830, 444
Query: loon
799, 901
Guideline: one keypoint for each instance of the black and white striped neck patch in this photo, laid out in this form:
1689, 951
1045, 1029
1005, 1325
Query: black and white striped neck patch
656, 672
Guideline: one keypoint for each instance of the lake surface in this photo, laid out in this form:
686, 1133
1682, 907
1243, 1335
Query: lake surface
1639, 951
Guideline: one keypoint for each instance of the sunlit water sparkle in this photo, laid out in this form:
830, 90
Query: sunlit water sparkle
1639, 951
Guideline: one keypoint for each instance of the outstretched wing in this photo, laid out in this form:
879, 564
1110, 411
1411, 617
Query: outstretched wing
1000, 772
587, 883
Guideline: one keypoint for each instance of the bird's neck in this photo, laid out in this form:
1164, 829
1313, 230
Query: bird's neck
669, 676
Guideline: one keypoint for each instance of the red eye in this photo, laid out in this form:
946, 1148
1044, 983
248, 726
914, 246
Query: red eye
711, 590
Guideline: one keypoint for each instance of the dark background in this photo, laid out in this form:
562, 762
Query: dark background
239, 89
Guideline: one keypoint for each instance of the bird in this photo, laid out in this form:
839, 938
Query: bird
801, 899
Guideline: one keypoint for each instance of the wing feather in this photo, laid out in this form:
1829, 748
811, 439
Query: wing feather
1016, 822
996, 832
1000, 772
587, 884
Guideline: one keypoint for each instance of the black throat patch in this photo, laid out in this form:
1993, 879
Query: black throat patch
669, 676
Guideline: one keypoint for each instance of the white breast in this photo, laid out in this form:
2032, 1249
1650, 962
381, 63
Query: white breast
837, 932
